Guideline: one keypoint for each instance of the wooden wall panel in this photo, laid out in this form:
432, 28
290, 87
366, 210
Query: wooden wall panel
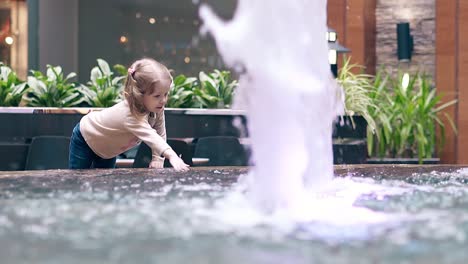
370, 37
337, 18
354, 22
462, 78
355, 29
452, 72
446, 67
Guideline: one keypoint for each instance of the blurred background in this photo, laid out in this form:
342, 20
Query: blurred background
74, 33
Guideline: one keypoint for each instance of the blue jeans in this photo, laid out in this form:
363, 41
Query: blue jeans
82, 156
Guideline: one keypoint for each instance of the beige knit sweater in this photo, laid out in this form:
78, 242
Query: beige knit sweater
115, 130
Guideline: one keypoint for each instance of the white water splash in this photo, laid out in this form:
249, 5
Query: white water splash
291, 95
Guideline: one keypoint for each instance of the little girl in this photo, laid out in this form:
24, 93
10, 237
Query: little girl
101, 136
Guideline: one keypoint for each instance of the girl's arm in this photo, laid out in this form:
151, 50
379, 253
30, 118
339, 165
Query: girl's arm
174, 159
177, 163
158, 123
142, 129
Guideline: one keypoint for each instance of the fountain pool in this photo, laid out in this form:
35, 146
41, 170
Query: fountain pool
367, 214
388, 214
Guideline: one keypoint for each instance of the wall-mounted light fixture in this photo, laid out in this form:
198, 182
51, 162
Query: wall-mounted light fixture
334, 48
405, 42
331, 35
123, 39
9, 40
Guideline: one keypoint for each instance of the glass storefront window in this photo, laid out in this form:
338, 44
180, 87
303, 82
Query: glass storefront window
121, 31
14, 36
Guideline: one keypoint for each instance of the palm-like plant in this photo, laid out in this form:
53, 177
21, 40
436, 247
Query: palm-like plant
104, 89
378, 138
357, 88
407, 117
53, 89
11, 88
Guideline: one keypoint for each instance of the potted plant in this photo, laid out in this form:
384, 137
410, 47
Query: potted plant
407, 116
105, 87
53, 89
217, 88
11, 88
181, 94
210, 90
356, 88
349, 135
56, 103
199, 107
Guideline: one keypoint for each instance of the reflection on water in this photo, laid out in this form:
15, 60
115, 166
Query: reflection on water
203, 217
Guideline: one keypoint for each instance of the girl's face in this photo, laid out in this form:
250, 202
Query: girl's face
156, 101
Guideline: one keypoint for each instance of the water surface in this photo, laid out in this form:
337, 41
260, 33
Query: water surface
403, 214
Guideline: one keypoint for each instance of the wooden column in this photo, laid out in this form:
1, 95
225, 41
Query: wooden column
462, 81
446, 76
452, 73
337, 18
370, 36
354, 22
355, 28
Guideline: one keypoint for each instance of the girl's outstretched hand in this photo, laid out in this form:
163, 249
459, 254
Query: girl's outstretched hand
156, 164
177, 163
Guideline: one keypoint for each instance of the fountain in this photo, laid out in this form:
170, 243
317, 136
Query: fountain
366, 214
290, 91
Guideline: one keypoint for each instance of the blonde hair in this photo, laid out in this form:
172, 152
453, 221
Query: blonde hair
142, 78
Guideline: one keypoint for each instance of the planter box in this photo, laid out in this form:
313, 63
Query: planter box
13, 155
402, 161
196, 123
349, 151
21, 124
349, 143
343, 127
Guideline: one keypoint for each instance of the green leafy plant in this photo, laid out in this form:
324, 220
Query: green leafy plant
181, 94
11, 88
408, 114
217, 89
212, 90
53, 89
381, 115
105, 87
357, 88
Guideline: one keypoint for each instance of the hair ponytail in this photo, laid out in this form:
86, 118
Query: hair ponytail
132, 93
141, 77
